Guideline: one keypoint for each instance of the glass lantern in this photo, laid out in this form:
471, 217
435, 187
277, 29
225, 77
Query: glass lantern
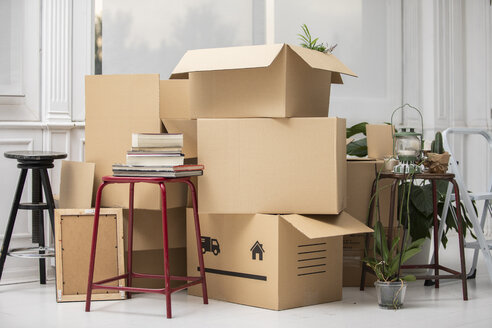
407, 147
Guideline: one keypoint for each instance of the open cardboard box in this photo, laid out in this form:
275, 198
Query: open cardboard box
116, 107
271, 261
266, 165
277, 80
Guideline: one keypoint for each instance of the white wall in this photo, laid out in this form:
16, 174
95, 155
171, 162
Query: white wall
45, 53
435, 54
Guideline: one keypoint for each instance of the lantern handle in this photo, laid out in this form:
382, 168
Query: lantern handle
402, 107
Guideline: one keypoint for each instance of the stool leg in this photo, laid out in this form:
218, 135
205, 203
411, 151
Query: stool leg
461, 242
198, 242
10, 223
165, 242
95, 229
45, 180
41, 242
38, 222
129, 266
436, 233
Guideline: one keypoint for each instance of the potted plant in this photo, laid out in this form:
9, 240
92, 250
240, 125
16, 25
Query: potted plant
437, 159
386, 262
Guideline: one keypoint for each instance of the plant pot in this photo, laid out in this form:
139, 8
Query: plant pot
390, 294
437, 163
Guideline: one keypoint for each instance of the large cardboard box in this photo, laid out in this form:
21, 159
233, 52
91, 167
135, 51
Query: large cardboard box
267, 165
116, 107
275, 80
271, 261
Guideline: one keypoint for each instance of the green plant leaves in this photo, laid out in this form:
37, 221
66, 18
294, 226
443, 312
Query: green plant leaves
356, 129
357, 148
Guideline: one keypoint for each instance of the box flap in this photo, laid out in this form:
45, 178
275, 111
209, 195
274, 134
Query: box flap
319, 60
321, 226
214, 59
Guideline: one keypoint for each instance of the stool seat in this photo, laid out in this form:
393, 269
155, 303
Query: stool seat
130, 274
38, 162
34, 155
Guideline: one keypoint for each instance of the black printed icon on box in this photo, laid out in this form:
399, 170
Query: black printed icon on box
210, 245
257, 248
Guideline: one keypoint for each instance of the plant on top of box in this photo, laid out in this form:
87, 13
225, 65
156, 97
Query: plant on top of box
388, 256
308, 42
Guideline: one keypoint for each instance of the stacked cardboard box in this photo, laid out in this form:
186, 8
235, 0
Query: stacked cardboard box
272, 195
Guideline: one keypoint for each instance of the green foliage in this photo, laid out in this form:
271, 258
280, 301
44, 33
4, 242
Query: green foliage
308, 42
357, 147
436, 145
356, 129
420, 209
386, 260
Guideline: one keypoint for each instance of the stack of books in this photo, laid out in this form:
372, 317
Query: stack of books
156, 155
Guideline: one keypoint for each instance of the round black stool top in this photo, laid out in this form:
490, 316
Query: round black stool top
34, 155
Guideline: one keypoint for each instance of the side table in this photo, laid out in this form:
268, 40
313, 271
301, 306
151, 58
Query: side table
39, 162
432, 177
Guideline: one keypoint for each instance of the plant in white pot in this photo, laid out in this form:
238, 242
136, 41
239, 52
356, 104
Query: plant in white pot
386, 262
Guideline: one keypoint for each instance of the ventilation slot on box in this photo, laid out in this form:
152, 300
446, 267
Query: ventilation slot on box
311, 259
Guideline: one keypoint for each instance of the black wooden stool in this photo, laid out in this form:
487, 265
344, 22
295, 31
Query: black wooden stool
38, 162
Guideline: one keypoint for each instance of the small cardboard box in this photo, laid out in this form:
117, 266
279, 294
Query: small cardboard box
271, 261
379, 140
116, 107
266, 165
174, 99
152, 261
277, 80
147, 228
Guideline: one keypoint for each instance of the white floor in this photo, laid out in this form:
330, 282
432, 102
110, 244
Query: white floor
32, 305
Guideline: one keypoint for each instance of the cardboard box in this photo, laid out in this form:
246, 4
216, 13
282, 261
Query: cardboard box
271, 261
360, 177
147, 229
174, 99
152, 261
116, 107
188, 129
275, 80
379, 140
76, 184
267, 165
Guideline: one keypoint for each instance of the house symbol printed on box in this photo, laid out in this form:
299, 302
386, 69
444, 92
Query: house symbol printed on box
257, 249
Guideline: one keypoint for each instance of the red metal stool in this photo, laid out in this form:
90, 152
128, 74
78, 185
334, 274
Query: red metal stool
130, 274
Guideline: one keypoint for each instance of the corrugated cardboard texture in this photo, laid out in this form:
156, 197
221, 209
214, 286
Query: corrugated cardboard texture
259, 81
147, 228
116, 107
76, 183
152, 261
360, 176
379, 140
74, 235
272, 165
188, 129
174, 99
264, 260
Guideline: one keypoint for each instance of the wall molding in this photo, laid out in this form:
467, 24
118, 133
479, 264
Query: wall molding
56, 66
